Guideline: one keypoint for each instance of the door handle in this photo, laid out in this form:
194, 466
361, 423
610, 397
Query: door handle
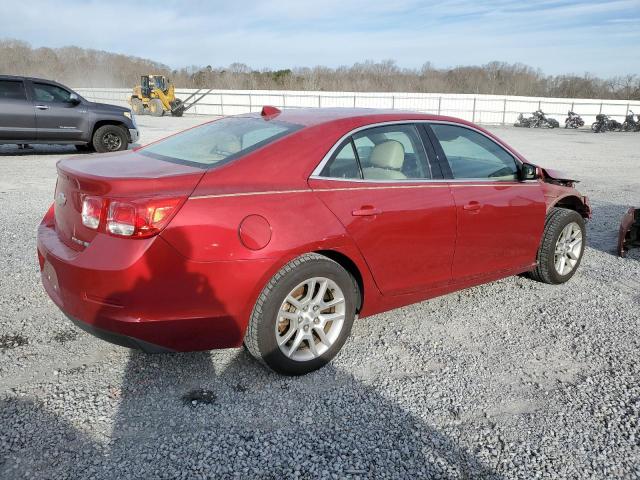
366, 210
42, 107
472, 206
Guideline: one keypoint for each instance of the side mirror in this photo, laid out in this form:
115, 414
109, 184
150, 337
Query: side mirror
74, 99
528, 172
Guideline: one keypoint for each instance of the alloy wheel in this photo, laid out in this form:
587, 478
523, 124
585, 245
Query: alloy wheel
111, 141
568, 248
310, 319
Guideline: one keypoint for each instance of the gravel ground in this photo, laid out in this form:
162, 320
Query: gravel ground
513, 379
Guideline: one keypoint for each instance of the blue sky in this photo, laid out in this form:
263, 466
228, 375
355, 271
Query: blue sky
599, 37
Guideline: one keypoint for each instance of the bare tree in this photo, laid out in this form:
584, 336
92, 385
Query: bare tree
93, 68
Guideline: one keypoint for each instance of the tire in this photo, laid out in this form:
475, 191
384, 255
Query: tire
559, 221
265, 324
110, 138
177, 108
137, 106
155, 107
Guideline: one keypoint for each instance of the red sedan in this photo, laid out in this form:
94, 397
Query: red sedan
277, 229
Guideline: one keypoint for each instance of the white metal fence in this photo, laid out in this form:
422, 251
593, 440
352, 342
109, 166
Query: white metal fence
489, 109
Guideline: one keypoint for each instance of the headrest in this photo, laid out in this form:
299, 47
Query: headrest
226, 143
388, 154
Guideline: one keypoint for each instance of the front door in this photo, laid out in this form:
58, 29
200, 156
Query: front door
379, 185
17, 118
57, 118
500, 219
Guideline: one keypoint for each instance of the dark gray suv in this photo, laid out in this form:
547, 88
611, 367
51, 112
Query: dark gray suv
33, 110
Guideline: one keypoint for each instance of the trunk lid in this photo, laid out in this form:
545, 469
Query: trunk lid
122, 175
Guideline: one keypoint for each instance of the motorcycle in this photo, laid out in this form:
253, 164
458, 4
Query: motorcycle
540, 120
629, 124
613, 125
523, 122
573, 120
603, 124
600, 125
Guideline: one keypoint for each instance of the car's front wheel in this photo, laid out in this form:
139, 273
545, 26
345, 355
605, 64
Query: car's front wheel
562, 246
110, 138
303, 315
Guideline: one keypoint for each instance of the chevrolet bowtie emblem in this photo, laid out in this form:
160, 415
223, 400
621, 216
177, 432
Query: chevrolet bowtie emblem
61, 199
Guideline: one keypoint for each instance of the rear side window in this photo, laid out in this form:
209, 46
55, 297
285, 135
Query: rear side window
45, 92
343, 164
472, 155
12, 90
392, 152
218, 142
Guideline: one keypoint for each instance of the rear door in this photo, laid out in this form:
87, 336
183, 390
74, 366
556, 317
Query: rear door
382, 187
500, 219
17, 118
57, 118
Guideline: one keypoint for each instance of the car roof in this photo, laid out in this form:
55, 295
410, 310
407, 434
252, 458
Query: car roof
354, 116
21, 77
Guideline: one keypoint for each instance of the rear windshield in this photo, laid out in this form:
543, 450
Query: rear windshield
218, 142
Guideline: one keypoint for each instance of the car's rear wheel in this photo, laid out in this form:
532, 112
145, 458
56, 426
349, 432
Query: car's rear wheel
110, 138
303, 316
562, 247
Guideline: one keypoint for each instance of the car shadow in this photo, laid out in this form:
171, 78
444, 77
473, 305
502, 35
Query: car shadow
43, 444
222, 415
14, 151
233, 415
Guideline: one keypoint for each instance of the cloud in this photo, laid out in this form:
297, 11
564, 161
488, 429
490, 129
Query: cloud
557, 36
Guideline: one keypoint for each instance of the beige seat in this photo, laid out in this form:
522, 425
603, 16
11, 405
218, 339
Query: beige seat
386, 161
226, 144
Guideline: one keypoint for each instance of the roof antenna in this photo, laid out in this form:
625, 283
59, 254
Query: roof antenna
269, 112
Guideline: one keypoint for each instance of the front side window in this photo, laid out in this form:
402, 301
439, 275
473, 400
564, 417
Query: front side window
472, 155
44, 92
218, 142
12, 90
393, 152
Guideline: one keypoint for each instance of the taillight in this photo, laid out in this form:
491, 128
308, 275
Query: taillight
121, 219
91, 212
141, 218
129, 218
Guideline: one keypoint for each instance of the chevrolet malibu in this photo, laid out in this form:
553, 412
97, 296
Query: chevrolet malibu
278, 229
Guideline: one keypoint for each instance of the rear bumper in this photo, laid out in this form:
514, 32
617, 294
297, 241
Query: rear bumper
118, 339
144, 294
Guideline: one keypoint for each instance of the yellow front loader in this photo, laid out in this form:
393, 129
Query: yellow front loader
155, 95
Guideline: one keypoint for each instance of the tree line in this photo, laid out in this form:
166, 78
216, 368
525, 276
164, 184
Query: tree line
82, 67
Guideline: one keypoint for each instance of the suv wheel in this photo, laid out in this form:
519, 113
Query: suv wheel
562, 246
303, 316
110, 138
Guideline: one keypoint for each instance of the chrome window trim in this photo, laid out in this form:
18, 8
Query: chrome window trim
428, 180
316, 172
